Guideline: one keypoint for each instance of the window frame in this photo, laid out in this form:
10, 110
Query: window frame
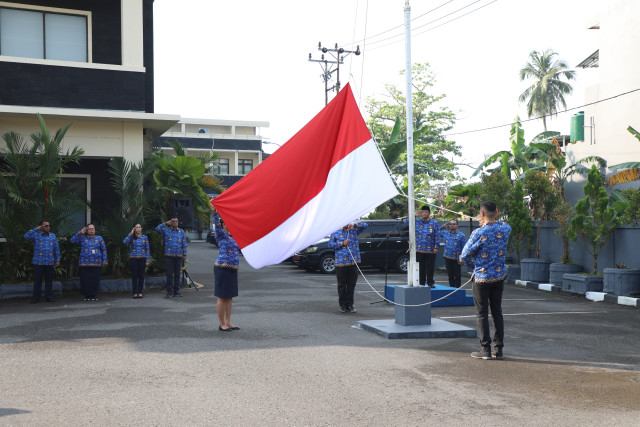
242, 163
58, 11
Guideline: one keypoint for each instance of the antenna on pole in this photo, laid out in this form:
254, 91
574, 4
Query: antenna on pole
338, 54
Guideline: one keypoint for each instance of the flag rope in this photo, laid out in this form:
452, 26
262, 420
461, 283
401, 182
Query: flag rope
404, 305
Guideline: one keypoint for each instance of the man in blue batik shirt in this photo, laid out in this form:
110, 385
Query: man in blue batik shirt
175, 252
485, 253
427, 243
46, 254
454, 241
345, 243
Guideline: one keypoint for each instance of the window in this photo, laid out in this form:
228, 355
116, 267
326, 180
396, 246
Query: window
245, 166
223, 166
43, 35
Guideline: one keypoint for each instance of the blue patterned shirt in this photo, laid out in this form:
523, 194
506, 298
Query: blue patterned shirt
175, 241
139, 246
427, 235
343, 256
453, 243
45, 247
485, 252
93, 251
229, 252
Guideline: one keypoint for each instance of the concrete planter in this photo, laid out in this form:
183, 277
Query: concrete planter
621, 281
557, 270
581, 283
513, 272
535, 270
23, 290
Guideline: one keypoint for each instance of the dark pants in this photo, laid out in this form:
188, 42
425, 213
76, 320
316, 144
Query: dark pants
488, 296
90, 281
453, 270
137, 274
38, 272
427, 265
347, 278
174, 268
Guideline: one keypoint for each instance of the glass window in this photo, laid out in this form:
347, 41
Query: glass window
381, 230
21, 33
33, 34
223, 166
245, 166
66, 37
366, 233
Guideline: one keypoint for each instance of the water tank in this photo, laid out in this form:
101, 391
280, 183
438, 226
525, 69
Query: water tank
577, 127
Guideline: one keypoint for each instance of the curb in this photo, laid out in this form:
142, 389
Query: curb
592, 296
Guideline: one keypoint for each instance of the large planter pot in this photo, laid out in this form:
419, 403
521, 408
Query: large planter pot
621, 281
581, 283
513, 272
557, 270
535, 270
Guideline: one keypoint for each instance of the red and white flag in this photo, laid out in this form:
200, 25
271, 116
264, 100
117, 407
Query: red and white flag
324, 177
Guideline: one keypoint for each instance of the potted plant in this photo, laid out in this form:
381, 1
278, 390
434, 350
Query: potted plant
521, 228
562, 214
595, 221
544, 199
623, 280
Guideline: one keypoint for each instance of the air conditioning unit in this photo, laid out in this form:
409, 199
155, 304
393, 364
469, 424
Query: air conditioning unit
203, 130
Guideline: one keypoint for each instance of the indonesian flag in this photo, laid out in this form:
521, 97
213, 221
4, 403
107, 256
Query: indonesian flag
327, 175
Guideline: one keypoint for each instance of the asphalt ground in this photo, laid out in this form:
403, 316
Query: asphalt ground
298, 361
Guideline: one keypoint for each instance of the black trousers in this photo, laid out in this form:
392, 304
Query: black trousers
426, 265
90, 281
488, 296
137, 274
38, 272
347, 278
173, 265
454, 272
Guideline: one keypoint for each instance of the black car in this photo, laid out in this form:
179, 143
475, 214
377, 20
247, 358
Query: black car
384, 244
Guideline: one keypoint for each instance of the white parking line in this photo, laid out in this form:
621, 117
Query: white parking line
530, 314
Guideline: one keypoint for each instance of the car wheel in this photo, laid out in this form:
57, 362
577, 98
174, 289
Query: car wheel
402, 263
327, 264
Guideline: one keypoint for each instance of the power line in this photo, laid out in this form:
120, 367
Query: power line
401, 25
546, 115
437, 26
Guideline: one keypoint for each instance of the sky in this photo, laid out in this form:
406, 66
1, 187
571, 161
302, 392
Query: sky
248, 59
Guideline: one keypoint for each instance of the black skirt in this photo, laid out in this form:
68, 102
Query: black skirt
226, 282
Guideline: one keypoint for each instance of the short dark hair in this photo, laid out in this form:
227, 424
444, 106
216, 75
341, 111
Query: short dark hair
489, 208
43, 221
454, 220
173, 216
425, 208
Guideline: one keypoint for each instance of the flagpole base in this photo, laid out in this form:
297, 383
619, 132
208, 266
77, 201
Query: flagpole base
412, 305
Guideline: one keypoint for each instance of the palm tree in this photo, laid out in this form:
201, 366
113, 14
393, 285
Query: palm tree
548, 89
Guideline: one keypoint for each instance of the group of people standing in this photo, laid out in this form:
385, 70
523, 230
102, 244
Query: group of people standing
93, 256
484, 253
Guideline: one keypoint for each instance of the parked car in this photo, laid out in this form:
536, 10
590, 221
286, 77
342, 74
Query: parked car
384, 244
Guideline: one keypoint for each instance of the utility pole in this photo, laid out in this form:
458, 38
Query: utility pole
338, 55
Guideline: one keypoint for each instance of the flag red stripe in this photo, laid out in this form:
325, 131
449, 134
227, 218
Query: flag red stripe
295, 173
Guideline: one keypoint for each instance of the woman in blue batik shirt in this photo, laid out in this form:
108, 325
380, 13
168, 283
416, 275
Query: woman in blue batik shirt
225, 271
93, 256
138, 258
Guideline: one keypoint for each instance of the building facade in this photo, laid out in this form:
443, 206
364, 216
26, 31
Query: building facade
614, 99
85, 62
237, 144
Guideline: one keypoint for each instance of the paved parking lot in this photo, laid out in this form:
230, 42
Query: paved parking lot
298, 361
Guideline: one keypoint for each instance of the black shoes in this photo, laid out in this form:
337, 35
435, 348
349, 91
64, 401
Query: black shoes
351, 309
177, 294
220, 328
169, 294
342, 309
50, 300
497, 353
482, 354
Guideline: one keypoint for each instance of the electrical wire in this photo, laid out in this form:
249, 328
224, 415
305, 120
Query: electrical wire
546, 115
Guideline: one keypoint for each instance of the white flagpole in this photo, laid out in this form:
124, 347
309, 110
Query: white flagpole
409, 120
